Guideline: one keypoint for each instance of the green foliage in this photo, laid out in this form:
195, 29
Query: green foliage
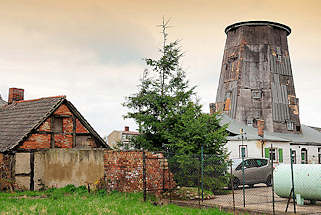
167, 110
170, 118
84, 203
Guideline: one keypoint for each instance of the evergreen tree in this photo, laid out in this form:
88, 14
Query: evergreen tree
170, 117
167, 111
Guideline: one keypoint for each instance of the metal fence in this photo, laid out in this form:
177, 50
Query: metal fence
202, 180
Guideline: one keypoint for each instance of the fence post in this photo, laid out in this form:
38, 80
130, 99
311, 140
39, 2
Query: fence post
202, 171
169, 184
292, 178
272, 181
243, 155
199, 182
232, 186
144, 175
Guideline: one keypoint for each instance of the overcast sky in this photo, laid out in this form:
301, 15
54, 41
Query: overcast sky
92, 50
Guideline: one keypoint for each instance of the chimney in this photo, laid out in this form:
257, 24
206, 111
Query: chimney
15, 94
212, 108
260, 127
126, 128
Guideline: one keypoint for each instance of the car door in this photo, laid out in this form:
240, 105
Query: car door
261, 170
250, 171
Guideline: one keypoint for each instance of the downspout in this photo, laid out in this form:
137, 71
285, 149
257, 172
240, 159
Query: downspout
260, 132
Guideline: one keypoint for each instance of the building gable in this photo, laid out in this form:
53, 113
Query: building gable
62, 129
51, 122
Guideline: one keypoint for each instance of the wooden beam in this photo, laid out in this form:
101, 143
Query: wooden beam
73, 132
52, 136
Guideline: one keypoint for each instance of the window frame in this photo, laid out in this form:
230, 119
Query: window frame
240, 151
56, 121
294, 157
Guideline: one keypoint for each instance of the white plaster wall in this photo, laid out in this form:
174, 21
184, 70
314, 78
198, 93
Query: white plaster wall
255, 150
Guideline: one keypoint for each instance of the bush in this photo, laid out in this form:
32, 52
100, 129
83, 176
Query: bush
187, 172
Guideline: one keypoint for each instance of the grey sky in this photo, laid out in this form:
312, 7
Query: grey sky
92, 51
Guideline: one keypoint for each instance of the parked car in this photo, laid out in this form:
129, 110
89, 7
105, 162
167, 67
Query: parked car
256, 170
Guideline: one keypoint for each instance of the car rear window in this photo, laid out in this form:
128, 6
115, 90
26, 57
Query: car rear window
261, 162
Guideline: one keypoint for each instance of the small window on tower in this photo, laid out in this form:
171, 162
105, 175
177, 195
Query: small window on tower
256, 94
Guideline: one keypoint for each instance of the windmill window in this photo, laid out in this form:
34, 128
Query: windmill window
256, 94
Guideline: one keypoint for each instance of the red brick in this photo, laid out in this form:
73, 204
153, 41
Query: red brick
46, 125
80, 128
124, 171
67, 125
63, 141
63, 110
37, 141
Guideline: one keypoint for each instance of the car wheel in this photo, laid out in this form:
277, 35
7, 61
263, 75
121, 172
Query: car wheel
269, 181
236, 183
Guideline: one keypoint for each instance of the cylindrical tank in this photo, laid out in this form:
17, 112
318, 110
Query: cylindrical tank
307, 180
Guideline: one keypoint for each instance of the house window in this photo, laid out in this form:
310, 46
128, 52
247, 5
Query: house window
304, 156
275, 153
57, 124
242, 151
250, 122
298, 128
289, 125
319, 155
293, 156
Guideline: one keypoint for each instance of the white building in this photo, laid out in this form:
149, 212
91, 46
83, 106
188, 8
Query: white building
306, 147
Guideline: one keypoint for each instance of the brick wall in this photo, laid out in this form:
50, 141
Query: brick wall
80, 128
41, 140
124, 171
6, 173
37, 141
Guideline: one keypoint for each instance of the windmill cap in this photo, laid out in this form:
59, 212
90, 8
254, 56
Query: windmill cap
258, 23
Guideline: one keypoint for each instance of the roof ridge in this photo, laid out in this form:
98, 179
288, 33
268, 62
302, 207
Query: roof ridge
32, 100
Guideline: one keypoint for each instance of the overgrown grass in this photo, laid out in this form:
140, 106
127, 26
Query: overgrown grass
72, 200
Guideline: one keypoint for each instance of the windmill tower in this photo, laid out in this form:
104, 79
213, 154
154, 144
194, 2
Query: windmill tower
256, 81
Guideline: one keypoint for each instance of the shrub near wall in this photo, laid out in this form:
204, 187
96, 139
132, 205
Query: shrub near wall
6, 175
124, 171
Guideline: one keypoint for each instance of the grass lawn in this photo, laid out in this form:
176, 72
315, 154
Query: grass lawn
71, 200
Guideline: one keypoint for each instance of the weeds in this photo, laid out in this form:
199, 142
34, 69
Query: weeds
77, 200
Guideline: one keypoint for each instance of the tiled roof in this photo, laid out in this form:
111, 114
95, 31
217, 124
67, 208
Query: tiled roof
308, 136
315, 128
18, 119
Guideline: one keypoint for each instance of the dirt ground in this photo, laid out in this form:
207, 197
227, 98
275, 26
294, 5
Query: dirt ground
258, 200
